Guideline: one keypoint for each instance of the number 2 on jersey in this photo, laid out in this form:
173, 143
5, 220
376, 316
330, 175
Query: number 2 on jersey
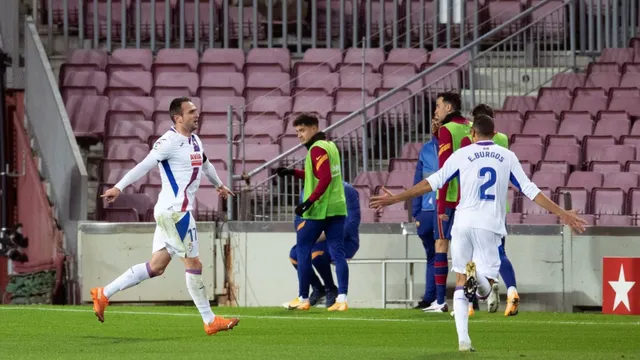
488, 183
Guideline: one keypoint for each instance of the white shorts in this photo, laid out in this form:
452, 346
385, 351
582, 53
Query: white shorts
478, 245
177, 232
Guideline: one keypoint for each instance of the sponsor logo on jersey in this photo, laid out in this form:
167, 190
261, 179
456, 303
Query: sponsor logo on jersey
158, 144
196, 159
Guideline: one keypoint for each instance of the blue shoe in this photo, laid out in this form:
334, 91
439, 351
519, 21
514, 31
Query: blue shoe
332, 295
316, 296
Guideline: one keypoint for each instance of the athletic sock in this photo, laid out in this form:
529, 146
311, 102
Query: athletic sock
441, 266
135, 275
461, 314
199, 295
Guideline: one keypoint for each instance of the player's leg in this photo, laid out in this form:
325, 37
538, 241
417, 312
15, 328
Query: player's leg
487, 259
136, 274
461, 264
307, 233
425, 227
509, 277
321, 260
334, 232
441, 262
316, 284
182, 241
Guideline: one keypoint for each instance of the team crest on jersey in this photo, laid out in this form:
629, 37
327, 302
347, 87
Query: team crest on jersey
196, 159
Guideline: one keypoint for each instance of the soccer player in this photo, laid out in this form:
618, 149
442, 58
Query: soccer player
506, 268
424, 212
320, 254
324, 209
484, 170
450, 134
181, 159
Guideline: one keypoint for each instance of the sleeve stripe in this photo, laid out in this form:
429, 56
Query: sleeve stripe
443, 148
322, 159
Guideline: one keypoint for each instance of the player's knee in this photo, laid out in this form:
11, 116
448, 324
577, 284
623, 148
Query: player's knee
442, 245
192, 263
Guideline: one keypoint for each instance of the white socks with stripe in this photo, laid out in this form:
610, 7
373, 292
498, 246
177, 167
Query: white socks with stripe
195, 285
461, 314
135, 275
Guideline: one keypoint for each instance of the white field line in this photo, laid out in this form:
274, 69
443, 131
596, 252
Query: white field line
426, 319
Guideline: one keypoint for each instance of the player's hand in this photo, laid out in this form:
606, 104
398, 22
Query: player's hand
111, 194
443, 217
572, 219
225, 192
283, 171
302, 207
380, 201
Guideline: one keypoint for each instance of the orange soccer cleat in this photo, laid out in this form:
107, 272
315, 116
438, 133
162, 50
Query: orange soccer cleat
100, 302
220, 324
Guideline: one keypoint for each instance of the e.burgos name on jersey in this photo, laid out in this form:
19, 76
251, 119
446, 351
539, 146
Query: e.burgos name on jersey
486, 154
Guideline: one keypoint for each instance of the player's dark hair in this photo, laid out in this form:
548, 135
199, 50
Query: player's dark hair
306, 120
175, 108
484, 125
451, 98
482, 109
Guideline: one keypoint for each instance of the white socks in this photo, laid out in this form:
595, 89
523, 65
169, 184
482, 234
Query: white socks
511, 291
484, 287
199, 295
461, 314
135, 275
341, 298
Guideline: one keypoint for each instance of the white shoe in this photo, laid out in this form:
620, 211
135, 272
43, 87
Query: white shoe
493, 301
437, 308
465, 347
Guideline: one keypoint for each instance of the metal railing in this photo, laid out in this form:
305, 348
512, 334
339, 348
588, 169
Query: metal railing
258, 23
250, 23
402, 115
56, 144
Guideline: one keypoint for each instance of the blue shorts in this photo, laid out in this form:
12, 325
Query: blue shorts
443, 227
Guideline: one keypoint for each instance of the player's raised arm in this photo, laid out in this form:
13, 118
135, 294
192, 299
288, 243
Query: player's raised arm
434, 182
210, 172
161, 151
530, 190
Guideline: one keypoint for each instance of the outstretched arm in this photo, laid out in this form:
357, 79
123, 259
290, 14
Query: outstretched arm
433, 182
210, 172
137, 172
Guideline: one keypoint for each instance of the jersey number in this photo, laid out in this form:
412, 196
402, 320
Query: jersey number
193, 233
488, 184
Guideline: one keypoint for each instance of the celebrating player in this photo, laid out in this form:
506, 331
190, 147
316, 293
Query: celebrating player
506, 268
181, 159
320, 254
450, 134
324, 209
484, 170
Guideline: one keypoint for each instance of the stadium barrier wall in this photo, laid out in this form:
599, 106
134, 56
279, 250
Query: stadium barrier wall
106, 250
556, 271
47, 120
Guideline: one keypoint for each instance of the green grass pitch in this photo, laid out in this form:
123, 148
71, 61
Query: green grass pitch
163, 332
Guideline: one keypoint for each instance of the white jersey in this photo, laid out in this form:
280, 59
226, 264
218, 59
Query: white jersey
484, 171
180, 161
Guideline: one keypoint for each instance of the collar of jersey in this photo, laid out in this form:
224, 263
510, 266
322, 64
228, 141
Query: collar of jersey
485, 142
186, 137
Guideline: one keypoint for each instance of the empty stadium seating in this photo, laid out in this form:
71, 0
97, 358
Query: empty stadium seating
122, 99
586, 138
